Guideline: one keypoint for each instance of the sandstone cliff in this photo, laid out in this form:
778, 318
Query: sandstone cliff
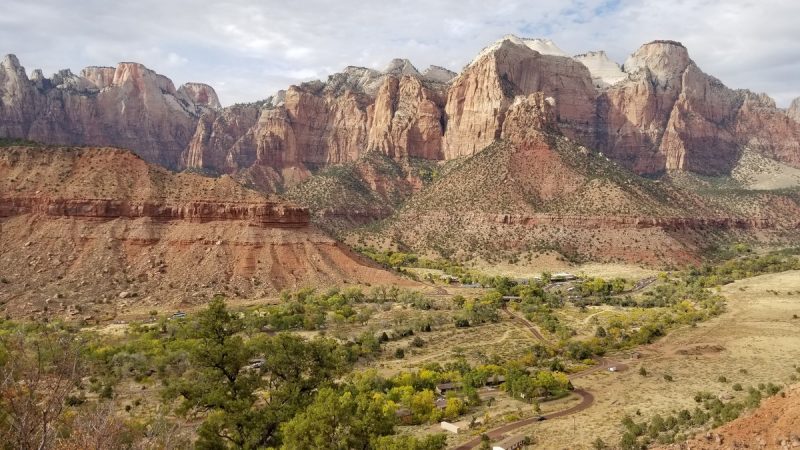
478, 99
670, 115
657, 113
397, 112
128, 106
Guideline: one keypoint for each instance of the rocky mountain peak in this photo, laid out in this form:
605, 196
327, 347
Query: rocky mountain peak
400, 66
11, 68
438, 74
201, 94
664, 59
101, 77
605, 72
543, 46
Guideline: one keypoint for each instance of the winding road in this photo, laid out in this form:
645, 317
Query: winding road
496, 434
586, 397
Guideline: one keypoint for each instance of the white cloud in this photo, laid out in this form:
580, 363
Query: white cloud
250, 49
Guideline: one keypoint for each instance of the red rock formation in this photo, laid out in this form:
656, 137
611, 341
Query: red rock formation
267, 214
83, 225
130, 106
671, 116
201, 94
479, 98
770, 131
660, 113
398, 112
406, 119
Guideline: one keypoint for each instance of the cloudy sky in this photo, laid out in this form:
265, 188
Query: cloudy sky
248, 49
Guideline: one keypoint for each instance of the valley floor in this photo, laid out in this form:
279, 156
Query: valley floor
758, 334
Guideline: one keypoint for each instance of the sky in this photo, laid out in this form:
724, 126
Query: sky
248, 49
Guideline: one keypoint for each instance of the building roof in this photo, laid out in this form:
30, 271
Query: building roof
510, 442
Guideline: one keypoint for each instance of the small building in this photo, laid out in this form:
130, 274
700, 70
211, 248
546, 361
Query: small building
178, 315
451, 427
471, 285
441, 403
562, 276
495, 380
510, 443
444, 388
511, 298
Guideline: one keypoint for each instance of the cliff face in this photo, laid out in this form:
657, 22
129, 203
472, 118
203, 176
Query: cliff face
406, 119
657, 113
267, 214
670, 115
478, 99
397, 112
535, 191
129, 106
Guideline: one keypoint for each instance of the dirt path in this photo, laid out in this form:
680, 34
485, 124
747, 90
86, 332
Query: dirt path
496, 434
587, 399
527, 324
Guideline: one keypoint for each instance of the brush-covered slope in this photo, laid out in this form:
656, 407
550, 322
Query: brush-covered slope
98, 231
535, 190
372, 188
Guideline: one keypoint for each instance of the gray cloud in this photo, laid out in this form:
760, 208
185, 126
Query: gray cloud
247, 50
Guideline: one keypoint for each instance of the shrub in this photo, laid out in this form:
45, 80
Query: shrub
668, 377
737, 387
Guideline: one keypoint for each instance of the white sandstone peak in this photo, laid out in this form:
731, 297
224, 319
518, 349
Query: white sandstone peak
399, 66
543, 46
605, 72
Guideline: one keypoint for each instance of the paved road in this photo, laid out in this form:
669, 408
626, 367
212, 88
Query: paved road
498, 433
586, 397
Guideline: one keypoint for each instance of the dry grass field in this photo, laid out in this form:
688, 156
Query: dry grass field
757, 334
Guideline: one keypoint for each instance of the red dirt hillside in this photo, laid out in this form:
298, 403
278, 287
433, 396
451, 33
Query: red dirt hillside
774, 425
98, 232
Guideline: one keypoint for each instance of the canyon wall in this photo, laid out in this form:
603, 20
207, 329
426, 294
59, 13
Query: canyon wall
658, 112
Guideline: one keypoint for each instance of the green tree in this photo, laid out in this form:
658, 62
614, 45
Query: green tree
339, 421
238, 414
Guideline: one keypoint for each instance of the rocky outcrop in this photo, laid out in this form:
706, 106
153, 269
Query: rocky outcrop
102, 232
480, 97
438, 74
266, 214
762, 127
129, 106
528, 116
406, 119
669, 115
397, 112
200, 94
